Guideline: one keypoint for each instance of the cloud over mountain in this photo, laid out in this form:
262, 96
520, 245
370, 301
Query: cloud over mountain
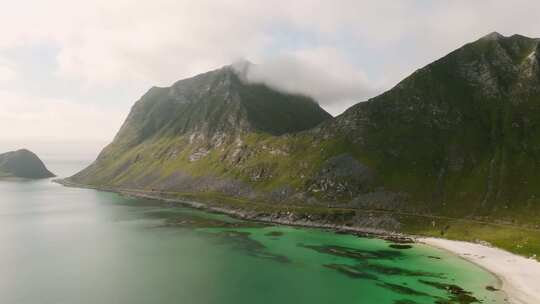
105, 54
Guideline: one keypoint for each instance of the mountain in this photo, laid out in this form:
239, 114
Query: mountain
460, 138
217, 103
462, 130
452, 150
171, 134
461, 134
24, 164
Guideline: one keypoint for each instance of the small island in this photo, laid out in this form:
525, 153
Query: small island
22, 164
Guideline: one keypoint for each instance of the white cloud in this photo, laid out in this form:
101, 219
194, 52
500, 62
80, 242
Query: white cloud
30, 118
339, 52
108, 41
105, 41
322, 73
95, 28
6, 73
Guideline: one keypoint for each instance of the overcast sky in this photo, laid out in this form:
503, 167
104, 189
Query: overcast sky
70, 70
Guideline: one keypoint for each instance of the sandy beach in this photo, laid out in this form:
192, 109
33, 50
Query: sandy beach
520, 276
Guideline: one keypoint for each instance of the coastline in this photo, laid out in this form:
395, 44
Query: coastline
254, 216
519, 275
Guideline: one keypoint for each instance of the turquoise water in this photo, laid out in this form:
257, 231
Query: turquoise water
66, 245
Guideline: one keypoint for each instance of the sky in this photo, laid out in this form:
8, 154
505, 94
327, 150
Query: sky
70, 70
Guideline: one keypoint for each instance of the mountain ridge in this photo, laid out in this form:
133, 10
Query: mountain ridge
455, 140
230, 92
208, 111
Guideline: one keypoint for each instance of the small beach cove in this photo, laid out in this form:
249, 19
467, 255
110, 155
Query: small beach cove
519, 275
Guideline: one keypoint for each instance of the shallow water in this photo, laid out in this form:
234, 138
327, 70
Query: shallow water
66, 245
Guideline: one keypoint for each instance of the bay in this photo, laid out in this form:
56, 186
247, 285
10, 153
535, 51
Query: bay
68, 245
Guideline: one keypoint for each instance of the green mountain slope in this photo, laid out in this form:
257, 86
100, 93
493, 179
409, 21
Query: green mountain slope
461, 135
172, 133
452, 150
24, 164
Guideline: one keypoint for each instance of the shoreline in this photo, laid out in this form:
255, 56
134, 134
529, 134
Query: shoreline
518, 275
255, 216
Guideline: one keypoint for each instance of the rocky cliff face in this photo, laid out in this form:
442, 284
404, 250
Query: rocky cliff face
458, 137
24, 164
215, 104
197, 134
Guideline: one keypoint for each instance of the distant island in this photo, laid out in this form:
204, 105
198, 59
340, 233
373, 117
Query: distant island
23, 164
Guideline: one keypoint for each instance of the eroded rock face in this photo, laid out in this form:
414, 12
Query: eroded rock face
198, 154
23, 163
341, 176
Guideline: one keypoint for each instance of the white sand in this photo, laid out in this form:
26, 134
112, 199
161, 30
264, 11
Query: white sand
520, 276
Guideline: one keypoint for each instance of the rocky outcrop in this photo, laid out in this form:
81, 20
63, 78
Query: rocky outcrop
341, 177
24, 164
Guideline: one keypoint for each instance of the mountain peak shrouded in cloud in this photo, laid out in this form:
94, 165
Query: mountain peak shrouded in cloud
322, 74
242, 67
215, 103
73, 71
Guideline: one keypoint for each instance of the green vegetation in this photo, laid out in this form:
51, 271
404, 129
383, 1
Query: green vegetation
455, 147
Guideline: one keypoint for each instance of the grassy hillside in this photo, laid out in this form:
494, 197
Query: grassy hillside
452, 150
461, 135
